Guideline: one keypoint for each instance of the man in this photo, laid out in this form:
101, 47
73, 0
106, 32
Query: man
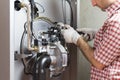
105, 55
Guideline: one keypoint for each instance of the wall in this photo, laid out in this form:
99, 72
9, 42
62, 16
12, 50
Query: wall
88, 17
4, 40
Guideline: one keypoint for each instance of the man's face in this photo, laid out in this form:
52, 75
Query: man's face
102, 4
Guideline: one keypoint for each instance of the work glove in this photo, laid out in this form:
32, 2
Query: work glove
69, 34
87, 33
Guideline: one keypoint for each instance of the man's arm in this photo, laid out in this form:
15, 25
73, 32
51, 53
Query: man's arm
88, 52
71, 36
87, 33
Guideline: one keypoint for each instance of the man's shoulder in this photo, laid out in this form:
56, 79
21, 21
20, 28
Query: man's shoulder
115, 16
114, 19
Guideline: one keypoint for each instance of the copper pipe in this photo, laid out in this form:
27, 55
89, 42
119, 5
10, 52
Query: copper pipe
28, 27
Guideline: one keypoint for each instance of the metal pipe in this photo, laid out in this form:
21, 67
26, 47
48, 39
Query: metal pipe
64, 10
32, 3
28, 27
43, 63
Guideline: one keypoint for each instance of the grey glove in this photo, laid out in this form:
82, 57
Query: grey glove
87, 33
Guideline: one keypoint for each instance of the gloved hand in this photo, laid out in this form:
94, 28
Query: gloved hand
70, 35
87, 33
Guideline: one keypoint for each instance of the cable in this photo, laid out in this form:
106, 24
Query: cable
43, 9
21, 45
22, 50
46, 19
25, 31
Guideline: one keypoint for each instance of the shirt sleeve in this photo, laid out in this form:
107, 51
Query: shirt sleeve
109, 47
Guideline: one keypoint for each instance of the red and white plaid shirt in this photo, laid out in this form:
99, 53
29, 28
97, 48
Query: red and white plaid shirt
107, 46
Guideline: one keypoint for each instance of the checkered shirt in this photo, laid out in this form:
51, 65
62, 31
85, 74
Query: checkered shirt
107, 46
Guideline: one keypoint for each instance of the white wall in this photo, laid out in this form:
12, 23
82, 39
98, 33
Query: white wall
90, 17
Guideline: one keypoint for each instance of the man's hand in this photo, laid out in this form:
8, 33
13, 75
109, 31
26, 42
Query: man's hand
70, 35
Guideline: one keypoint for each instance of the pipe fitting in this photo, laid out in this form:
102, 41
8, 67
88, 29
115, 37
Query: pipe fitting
43, 63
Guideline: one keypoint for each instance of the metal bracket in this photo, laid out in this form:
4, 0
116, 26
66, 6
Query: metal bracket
18, 56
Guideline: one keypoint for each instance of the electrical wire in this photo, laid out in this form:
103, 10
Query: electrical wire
23, 34
46, 19
22, 43
43, 9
